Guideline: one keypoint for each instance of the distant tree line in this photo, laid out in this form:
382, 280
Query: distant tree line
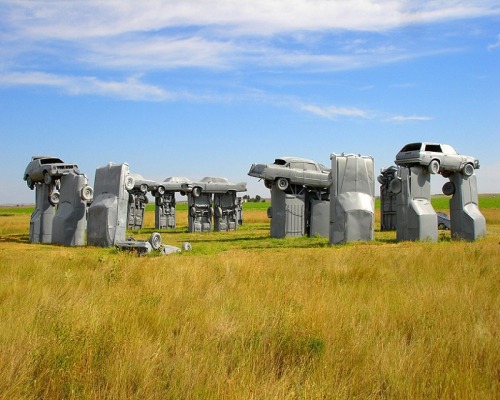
256, 199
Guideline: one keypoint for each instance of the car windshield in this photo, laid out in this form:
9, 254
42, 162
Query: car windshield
51, 161
447, 149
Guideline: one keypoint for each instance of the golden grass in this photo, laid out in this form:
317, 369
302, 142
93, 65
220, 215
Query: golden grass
279, 320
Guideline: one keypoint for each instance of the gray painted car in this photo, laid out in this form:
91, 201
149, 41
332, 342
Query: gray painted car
211, 184
438, 158
171, 184
46, 169
292, 170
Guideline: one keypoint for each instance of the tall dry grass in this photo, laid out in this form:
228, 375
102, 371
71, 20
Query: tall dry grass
374, 320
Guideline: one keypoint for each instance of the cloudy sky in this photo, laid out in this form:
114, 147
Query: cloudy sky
208, 87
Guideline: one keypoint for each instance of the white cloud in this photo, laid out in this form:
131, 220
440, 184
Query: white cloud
404, 118
333, 112
98, 18
495, 45
131, 88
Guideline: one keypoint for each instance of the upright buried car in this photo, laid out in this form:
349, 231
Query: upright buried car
45, 169
438, 158
292, 170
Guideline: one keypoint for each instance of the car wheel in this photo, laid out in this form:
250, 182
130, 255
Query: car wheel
395, 186
47, 179
192, 211
161, 190
282, 183
434, 167
448, 188
218, 212
182, 193
468, 169
144, 188
196, 192
29, 182
186, 246
155, 240
54, 198
268, 184
87, 193
442, 226
159, 200
129, 182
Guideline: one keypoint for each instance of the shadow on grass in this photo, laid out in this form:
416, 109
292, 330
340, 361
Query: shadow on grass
15, 238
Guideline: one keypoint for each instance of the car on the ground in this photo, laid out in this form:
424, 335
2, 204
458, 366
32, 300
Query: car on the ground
212, 184
286, 171
438, 158
443, 220
46, 169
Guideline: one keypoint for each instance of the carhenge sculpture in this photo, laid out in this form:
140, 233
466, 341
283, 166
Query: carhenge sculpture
137, 200
56, 182
352, 203
164, 194
224, 208
416, 218
107, 222
299, 196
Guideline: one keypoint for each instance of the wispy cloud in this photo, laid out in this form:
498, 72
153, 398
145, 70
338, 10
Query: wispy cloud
495, 45
77, 19
333, 112
130, 89
404, 118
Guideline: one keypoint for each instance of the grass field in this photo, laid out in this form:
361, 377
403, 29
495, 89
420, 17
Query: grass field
244, 316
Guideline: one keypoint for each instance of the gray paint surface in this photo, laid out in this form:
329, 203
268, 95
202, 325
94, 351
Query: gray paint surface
70, 221
467, 222
287, 213
416, 218
352, 203
388, 213
43, 215
107, 222
225, 212
200, 212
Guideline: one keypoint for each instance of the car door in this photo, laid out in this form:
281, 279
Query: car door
451, 160
297, 172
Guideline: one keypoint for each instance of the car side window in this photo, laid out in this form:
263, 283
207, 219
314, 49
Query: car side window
310, 167
436, 148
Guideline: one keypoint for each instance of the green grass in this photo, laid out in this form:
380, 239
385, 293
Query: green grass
245, 316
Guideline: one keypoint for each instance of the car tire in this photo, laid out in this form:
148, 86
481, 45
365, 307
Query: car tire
282, 183
196, 192
129, 182
218, 212
468, 169
144, 188
29, 182
54, 198
448, 188
186, 246
158, 200
395, 186
47, 179
155, 240
441, 226
161, 190
131, 198
87, 193
268, 184
192, 211
433, 167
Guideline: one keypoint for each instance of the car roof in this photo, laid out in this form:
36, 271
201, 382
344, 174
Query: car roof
296, 159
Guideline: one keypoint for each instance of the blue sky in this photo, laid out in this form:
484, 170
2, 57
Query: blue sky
206, 88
